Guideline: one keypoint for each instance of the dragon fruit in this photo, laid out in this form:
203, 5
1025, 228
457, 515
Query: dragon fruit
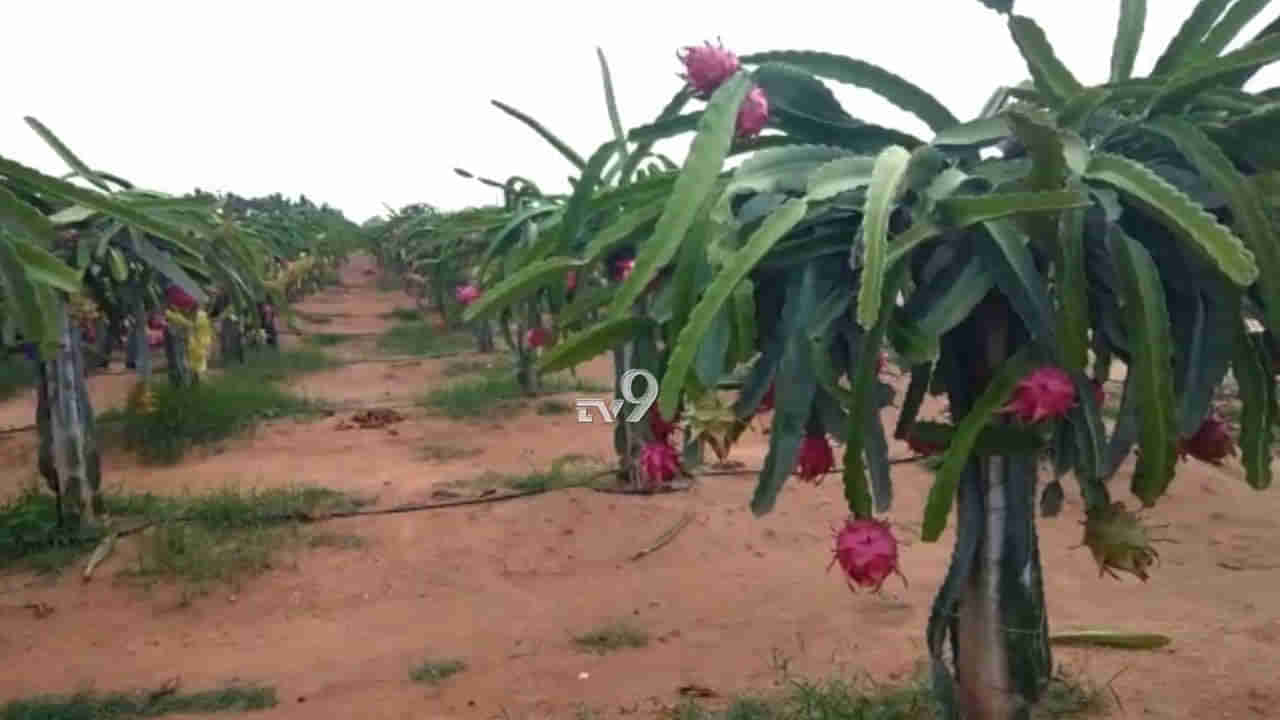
815, 458
1210, 443
658, 463
467, 294
660, 427
1119, 541
1045, 393
922, 447
707, 67
179, 299
537, 337
624, 267
766, 402
1099, 394
754, 113
867, 552
571, 281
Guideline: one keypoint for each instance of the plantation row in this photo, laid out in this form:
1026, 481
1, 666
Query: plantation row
92, 267
1132, 223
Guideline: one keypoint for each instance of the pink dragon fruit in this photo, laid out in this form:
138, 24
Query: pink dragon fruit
571, 281
659, 464
766, 402
1210, 443
1045, 393
660, 427
815, 458
707, 67
467, 294
754, 113
179, 299
537, 337
867, 552
922, 447
624, 268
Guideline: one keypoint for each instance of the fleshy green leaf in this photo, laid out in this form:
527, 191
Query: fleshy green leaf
546, 134
1258, 397
65, 153
1179, 213
623, 227
787, 169
519, 285
1133, 18
1241, 13
576, 210
983, 131
865, 360
1190, 36
841, 175
886, 184
997, 393
858, 73
45, 268
103, 203
582, 346
948, 299
1014, 270
22, 302
741, 263
795, 388
1151, 347
1247, 206
1051, 77
1184, 85
619, 135
696, 181
960, 211
164, 264
24, 221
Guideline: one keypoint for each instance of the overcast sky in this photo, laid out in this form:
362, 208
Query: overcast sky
363, 103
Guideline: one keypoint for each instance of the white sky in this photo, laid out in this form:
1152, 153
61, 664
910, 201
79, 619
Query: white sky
361, 103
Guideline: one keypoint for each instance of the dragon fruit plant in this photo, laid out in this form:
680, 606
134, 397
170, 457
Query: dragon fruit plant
1131, 221
558, 261
131, 252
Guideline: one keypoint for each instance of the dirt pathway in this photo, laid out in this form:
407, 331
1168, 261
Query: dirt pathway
504, 586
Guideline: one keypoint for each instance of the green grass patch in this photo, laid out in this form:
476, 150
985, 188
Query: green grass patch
328, 339
553, 406
568, 471
610, 637
446, 453
434, 672
127, 706
403, 315
477, 366
271, 365
218, 407
316, 318
388, 281
339, 541
1066, 697
16, 375
221, 535
418, 338
487, 395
